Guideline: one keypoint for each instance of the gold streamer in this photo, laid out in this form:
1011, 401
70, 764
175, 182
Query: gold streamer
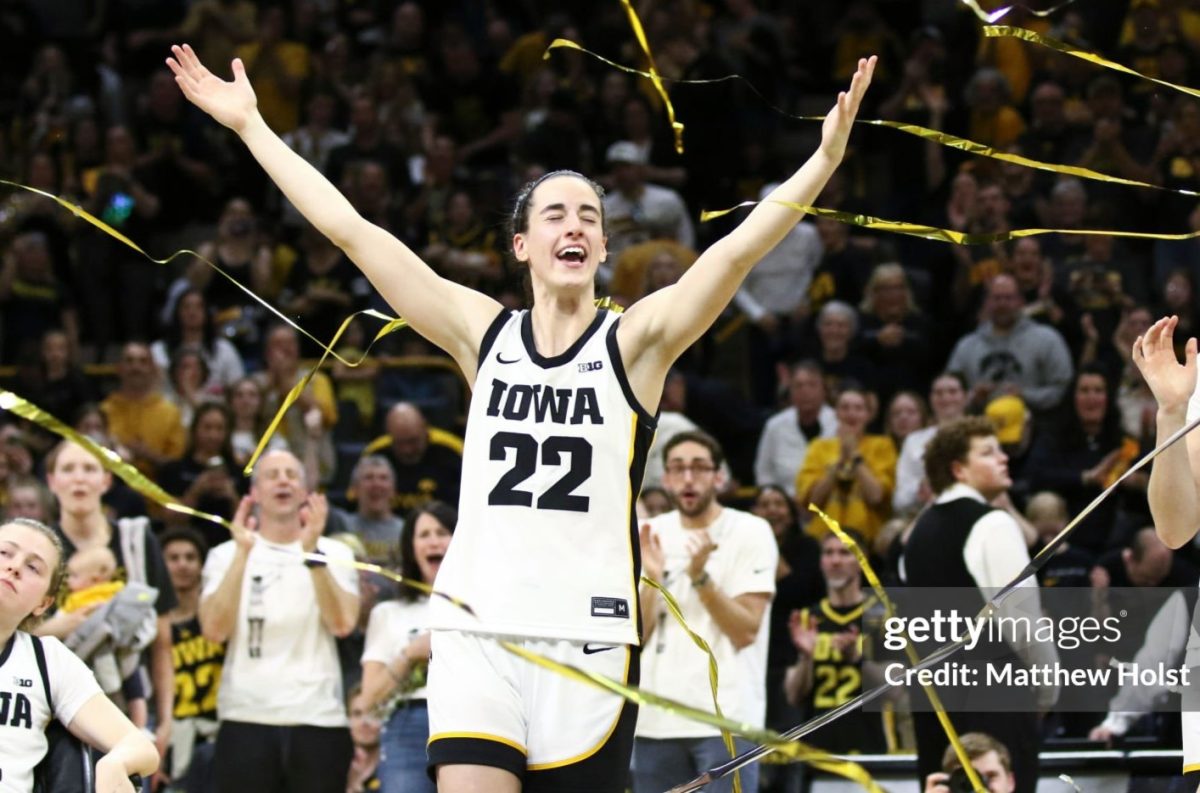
713, 672
940, 234
925, 133
640, 34
994, 31
877, 586
109, 459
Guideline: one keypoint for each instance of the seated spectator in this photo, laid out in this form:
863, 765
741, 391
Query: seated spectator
56, 383
119, 624
786, 437
206, 477
238, 250
1137, 579
397, 652
140, 417
463, 247
893, 333
322, 287
835, 351
186, 376
191, 324
1010, 354
1085, 454
636, 210
798, 582
993, 120
904, 415
374, 523
364, 733
774, 298
33, 299
427, 460
29, 498
249, 423
356, 384
948, 396
306, 424
849, 476
990, 759
1069, 566
198, 663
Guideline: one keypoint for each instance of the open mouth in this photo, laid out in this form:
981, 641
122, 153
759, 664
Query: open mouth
435, 558
573, 254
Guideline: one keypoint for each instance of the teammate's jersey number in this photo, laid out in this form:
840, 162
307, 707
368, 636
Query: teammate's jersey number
561, 494
835, 685
207, 678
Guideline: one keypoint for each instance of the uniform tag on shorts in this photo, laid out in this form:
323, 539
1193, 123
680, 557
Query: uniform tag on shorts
610, 607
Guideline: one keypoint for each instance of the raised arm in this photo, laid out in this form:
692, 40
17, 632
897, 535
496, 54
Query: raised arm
451, 316
658, 328
1174, 490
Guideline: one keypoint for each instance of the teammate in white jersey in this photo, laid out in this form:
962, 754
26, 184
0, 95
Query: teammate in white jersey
41, 680
1174, 490
545, 549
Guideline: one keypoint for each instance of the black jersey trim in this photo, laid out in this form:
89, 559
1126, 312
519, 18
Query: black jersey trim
8, 648
489, 336
614, 354
564, 357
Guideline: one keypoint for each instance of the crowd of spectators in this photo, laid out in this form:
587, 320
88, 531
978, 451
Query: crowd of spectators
842, 352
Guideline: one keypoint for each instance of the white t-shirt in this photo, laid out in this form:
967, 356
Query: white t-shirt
24, 712
910, 469
744, 561
281, 664
393, 625
782, 447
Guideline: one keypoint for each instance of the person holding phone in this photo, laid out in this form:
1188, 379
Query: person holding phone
988, 757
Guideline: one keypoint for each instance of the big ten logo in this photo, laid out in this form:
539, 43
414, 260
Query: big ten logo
591, 366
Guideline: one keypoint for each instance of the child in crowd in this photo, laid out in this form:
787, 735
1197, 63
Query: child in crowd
121, 624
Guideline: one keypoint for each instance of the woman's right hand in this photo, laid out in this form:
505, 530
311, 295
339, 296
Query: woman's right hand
233, 104
1154, 355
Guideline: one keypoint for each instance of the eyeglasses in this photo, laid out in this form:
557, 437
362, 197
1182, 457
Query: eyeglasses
695, 469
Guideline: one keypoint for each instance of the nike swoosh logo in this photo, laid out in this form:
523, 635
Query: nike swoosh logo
501, 359
590, 650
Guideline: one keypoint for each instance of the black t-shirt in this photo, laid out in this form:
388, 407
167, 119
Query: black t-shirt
323, 318
178, 475
198, 665
435, 477
156, 569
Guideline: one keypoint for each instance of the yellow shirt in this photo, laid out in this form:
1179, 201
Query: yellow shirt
289, 62
845, 504
152, 421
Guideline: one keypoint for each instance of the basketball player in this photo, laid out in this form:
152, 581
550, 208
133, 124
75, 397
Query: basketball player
563, 414
1174, 491
42, 680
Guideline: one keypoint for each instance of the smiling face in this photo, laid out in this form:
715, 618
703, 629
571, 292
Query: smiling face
852, 410
430, 541
948, 398
772, 506
1091, 399
563, 241
28, 560
78, 480
279, 488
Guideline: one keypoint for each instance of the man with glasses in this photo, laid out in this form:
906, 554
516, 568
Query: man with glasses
719, 565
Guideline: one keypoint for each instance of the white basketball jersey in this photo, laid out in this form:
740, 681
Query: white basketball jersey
546, 544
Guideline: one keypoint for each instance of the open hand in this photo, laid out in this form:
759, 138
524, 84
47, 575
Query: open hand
1154, 354
312, 520
836, 129
245, 525
233, 104
652, 553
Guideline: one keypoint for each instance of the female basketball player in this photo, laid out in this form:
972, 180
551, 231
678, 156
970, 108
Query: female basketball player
41, 680
564, 410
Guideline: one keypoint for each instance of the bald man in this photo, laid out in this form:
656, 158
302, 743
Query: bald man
427, 460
